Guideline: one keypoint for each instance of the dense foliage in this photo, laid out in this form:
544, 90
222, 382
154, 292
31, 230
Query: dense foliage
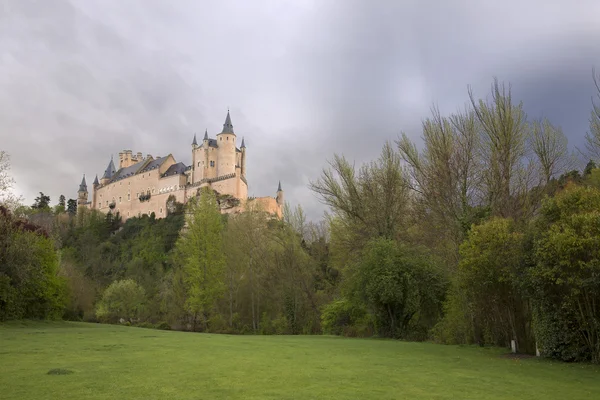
29, 284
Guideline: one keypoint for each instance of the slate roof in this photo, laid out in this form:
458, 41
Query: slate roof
110, 170
211, 143
153, 164
127, 172
195, 143
176, 169
83, 185
96, 180
227, 126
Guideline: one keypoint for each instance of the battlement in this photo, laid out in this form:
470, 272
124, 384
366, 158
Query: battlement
127, 158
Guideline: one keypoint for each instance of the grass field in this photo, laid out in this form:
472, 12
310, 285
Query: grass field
114, 362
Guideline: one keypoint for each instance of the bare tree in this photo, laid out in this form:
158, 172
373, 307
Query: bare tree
550, 146
592, 138
507, 177
7, 182
374, 200
444, 175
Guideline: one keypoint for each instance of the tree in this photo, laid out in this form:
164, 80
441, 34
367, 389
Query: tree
200, 254
373, 202
445, 177
42, 202
592, 138
490, 274
61, 200
506, 177
122, 299
29, 284
549, 144
566, 276
7, 198
72, 207
402, 289
248, 242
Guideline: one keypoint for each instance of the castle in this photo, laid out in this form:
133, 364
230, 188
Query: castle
146, 185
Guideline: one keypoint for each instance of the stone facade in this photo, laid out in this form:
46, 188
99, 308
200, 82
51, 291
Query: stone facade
142, 185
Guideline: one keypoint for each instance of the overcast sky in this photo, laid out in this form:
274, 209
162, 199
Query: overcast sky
81, 80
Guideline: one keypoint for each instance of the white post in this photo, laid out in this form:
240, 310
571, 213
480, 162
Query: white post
513, 346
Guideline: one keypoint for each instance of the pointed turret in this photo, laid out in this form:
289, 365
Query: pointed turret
194, 142
96, 183
243, 146
279, 197
110, 170
82, 193
227, 126
83, 185
206, 134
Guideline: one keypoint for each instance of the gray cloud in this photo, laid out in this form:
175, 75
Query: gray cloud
80, 81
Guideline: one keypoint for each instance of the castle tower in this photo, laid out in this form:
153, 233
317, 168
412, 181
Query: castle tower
226, 145
243, 163
279, 197
195, 168
109, 172
82, 194
95, 185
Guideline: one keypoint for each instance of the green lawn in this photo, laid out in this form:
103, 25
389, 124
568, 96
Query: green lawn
114, 362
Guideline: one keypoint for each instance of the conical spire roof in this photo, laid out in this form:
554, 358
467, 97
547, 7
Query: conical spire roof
83, 185
96, 180
227, 126
243, 146
194, 142
279, 187
110, 170
206, 134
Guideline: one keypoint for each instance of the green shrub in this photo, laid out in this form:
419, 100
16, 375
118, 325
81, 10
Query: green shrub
163, 326
122, 299
341, 317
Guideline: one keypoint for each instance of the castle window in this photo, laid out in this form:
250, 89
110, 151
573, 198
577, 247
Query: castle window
128, 196
198, 163
128, 213
119, 199
161, 210
212, 163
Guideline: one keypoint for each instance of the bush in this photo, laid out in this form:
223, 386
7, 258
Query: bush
122, 299
341, 317
163, 326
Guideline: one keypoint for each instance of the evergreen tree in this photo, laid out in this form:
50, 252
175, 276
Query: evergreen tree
72, 207
41, 202
61, 200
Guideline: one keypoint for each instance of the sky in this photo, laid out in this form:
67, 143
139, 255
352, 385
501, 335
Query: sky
82, 80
